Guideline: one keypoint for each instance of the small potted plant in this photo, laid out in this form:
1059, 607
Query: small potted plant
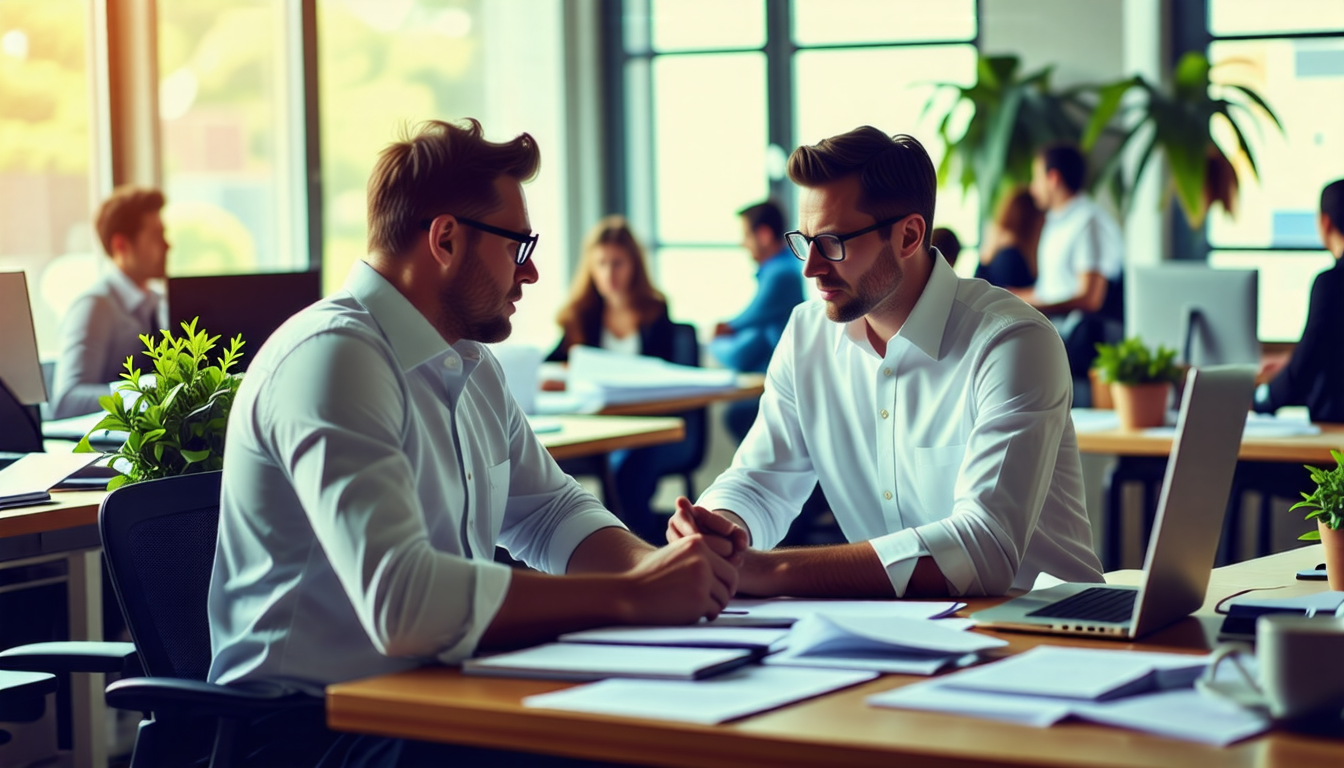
174, 419
1140, 380
1327, 505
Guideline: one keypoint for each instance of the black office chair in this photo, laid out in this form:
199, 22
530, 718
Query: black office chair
690, 452
159, 541
23, 698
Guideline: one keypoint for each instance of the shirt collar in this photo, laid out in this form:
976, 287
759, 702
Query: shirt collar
927, 322
132, 297
414, 341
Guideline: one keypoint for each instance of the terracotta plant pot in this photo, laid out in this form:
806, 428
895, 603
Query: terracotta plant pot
1140, 405
1101, 392
1332, 542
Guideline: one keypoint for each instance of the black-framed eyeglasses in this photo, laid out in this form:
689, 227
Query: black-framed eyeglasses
831, 246
526, 243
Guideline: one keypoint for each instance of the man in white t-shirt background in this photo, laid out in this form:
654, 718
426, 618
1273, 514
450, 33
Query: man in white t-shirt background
1080, 259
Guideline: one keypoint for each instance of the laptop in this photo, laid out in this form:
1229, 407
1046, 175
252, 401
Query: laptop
1185, 534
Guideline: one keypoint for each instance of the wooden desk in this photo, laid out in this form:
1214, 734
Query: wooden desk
439, 704
1302, 449
581, 436
748, 385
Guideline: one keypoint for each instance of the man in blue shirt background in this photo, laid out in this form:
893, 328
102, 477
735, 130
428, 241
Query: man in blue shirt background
746, 342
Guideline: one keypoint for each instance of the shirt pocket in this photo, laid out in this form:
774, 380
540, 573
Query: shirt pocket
493, 498
935, 478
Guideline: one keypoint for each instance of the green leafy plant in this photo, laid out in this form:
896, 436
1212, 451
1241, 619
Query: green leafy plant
1327, 501
1014, 115
1132, 362
175, 421
1179, 124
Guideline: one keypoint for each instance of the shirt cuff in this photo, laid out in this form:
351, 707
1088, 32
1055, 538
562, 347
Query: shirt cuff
1261, 396
571, 532
492, 585
899, 552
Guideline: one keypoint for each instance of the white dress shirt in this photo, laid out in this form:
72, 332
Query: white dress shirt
100, 330
957, 444
370, 470
1078, 238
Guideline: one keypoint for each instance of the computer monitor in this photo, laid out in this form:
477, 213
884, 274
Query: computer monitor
251, 305
1207, 315
20, 368
1285, 280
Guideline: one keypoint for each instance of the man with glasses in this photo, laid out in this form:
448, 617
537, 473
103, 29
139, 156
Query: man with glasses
375, 458
933, 410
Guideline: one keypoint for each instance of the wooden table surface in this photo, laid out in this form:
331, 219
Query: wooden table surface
440, 704
1301, 449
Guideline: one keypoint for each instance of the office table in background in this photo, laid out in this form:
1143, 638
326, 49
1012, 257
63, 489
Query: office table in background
1299, 449
440, 704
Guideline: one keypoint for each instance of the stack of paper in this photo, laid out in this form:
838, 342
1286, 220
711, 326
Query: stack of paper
762, 640
27, 480
1144, 691
617, 378
729, 696
582, 661
882, 644
783, 613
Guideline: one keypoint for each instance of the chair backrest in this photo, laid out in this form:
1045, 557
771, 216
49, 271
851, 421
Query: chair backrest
686, 351
20, 425
159, 541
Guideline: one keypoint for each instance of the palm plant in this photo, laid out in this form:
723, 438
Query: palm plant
1014, 115
1179, 124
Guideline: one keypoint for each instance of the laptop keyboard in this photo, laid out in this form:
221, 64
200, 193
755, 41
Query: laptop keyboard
1092, 604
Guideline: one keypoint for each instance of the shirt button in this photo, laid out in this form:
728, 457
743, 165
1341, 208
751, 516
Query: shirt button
451, 363
886, 495
886, 371
884, 413
468, 475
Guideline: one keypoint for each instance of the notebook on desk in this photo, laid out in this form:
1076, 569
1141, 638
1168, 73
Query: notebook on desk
1185, 534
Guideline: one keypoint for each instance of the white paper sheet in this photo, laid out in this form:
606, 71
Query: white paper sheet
735, 694
796, 609
1088, 674
694, 636
884, 644
35, 473
583, 661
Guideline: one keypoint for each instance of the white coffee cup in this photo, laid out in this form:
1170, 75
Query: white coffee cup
1301, 663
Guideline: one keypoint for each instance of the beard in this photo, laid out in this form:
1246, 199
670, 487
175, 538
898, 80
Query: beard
874, 286
473, 307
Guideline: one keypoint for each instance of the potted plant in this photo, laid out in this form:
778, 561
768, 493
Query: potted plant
1327, 505
174, 419
1179, 124
1140, 380
1013, 115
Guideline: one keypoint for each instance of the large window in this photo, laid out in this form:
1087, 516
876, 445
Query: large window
712, 109
231, 106
45, 146
1295, 58
384, 67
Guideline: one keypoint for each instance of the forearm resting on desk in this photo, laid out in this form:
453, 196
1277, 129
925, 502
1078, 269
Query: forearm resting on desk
839, 570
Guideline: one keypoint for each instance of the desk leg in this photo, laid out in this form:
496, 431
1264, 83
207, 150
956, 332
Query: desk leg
88, 705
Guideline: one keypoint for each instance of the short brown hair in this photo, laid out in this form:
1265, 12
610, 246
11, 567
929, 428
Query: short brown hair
123, 212
441, 168
896, 176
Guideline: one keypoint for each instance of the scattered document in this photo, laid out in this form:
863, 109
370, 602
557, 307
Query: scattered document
884, 644
583, 661
617, 378
1094, 419
27, 480
735, 694
1180, 714
1088, 674
784, 612
694, 636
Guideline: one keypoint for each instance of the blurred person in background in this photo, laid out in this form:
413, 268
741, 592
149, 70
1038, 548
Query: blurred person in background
746, 342
614, 305
947, 243
1009, 258
103, 326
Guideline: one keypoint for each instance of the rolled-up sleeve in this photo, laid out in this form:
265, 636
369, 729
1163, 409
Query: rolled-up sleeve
336, 420
1022, 395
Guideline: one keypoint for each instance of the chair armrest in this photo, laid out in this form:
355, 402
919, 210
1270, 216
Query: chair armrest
177, 697
70, 656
